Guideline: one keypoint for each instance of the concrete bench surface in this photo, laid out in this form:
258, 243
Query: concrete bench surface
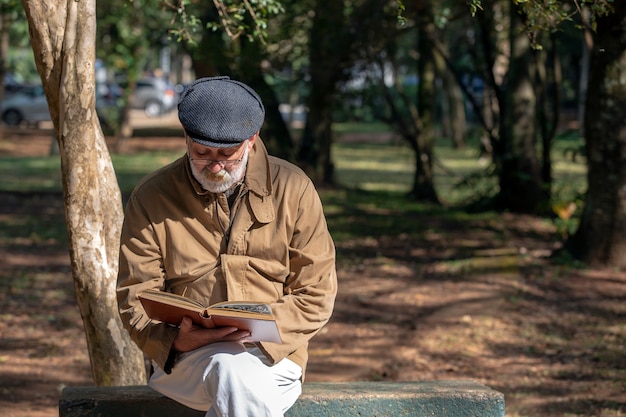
337, 399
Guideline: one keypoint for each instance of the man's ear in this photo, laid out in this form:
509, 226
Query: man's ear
252, 140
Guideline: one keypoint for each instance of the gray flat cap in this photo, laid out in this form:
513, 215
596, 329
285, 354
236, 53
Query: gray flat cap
220, 112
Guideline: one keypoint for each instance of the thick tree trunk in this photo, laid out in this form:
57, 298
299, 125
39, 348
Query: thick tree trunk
548, 106
453, 119
314, 155
601, 235
583, 82
325, 59
276, 135
521, 187
5, 27
458, 120
423, 181
63, 40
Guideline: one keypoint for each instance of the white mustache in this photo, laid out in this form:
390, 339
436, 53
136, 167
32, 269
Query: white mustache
216, 176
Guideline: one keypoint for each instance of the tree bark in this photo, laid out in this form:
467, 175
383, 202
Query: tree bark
549, 77
423, 181
5, 27
276, 135
325, 60
453, 118
601, 235
63, 40
519, 174
458, 119
587, 45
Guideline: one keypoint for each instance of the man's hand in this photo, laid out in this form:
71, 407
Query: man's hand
191, 336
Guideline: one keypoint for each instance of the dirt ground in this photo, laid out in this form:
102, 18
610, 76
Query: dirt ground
476, 300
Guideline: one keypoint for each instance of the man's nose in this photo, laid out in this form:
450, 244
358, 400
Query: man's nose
215, 167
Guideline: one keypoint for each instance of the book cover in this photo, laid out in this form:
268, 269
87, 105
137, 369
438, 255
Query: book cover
170, 308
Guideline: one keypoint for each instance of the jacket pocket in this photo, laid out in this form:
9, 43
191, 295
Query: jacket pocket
207, 289
253, 279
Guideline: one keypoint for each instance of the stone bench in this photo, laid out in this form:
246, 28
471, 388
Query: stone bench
337, 399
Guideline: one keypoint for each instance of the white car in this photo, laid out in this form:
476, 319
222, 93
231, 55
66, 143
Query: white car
154, 96
27, 105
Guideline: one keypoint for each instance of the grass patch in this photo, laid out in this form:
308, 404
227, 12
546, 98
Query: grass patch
341, 128
386, 167
30, 173
129, 169
459, 174
43, 174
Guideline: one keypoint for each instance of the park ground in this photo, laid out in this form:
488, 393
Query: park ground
477, 298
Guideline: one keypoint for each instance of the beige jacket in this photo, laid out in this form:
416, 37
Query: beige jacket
274, 247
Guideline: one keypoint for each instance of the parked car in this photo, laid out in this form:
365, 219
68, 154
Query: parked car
26, 105
155, 96
11, 84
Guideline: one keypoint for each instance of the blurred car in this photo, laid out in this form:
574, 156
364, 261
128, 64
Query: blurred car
154, 96
180, 88
11, 84
26, 105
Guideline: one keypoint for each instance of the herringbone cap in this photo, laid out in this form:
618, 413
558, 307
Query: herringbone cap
220, 112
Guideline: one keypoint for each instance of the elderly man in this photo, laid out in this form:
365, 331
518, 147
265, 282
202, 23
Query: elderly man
227, 222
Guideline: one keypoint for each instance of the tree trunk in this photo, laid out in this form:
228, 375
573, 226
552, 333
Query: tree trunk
63, 41
583, 83
458, 120
124, 130
494, 45
209, 58
325, 58
314, 155
549, 79
519, 174
276, 135
5, 27
423, 181
601, 235
452, 102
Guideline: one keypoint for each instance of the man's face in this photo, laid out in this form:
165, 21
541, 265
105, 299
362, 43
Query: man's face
218, 169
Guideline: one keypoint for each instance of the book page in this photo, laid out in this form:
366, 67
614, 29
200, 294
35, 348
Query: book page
244, 306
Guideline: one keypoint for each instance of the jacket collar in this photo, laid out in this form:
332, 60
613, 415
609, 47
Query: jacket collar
259, 182
258, 179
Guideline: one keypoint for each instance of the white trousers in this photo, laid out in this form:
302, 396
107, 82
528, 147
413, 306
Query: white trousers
229, 380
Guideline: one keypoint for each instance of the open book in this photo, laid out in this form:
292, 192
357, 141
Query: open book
170, 308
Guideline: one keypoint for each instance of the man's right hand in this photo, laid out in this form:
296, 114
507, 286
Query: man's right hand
191, 336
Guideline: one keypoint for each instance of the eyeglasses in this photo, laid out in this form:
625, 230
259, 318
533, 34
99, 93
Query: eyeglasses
225, 163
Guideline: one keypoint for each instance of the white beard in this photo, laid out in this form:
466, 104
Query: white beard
222, 181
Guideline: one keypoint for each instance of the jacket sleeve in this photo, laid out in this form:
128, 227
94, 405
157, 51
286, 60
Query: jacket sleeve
141, 268
311, 287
